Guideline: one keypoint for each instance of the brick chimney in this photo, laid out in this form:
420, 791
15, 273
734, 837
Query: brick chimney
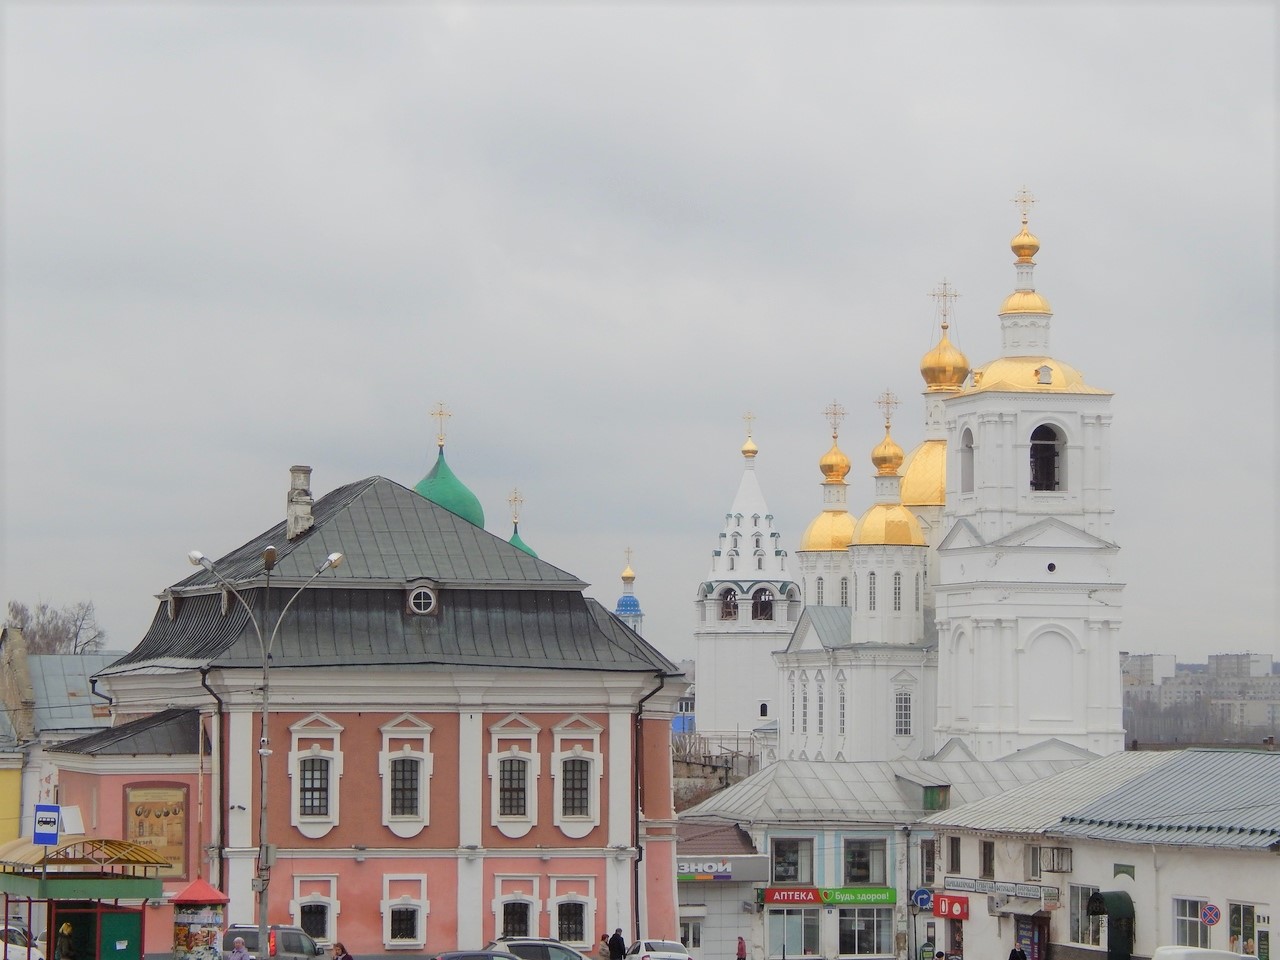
298, 519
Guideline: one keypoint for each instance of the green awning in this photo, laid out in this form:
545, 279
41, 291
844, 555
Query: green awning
1115, 904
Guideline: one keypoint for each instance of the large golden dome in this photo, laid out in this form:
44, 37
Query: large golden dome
1030, 375
924, 475
830, 530
888, 524
944, 367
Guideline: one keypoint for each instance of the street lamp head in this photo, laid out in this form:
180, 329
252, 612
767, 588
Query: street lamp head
333, 561
198, 559
269, 556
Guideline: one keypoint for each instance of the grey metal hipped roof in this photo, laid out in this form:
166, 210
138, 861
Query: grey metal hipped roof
169, 732
497, 606
63, 690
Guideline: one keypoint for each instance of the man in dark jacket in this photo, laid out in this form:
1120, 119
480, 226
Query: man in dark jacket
617, 946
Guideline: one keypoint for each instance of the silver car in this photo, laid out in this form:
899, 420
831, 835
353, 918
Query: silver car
658, 950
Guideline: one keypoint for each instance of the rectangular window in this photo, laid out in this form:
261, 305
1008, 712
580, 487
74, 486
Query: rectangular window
842, 705
313, 792
313, 918
1188, 929
866, 930
404, 923
1033, 862
793, 932
404, 787
953, 854
1242, 928
512, 788
822, 704
804, 708
928, 862
792, 861
1084, 928
897, 592
577, 793
871, 592
515, 919
987, 868
571, 922
902, 713
844, 591
864, 862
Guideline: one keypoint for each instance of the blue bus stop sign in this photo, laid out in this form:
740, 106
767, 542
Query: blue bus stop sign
46, 828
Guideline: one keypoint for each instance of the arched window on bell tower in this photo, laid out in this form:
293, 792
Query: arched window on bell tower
729, 605
762, 604
966, 461
1046, 459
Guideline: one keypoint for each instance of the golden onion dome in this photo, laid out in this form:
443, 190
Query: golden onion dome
1030, 375
628, 575
830, 530
888, 524
944, 367
887, 456
1025, 245
749, 449
924, 475
834, 464
1025, 301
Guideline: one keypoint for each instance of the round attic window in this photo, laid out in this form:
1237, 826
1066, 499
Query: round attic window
422, 601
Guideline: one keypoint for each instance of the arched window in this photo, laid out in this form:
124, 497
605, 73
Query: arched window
729, 605
762, 604
818, 591
759, 559
842, 706
757, 541
855, 591
966, 461
733, 559
871, 591
917, 592
1046, 459
822, 703
897, 592
764, 710
844, 591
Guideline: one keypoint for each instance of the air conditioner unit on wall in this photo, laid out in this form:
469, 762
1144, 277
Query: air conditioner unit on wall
1055, 859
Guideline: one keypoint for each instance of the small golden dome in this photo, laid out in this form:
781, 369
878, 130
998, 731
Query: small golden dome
830, 530
944, 367
887, 456
924, 475
749, 449
1025, 245
834, 464
886, 524
1025, 301
628, 575
1030, 375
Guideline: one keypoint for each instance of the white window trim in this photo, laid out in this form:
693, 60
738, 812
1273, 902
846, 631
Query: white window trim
415, 739
588, 909
319, 729
577, 728
419, 902
330, 900
515, 728
529, 892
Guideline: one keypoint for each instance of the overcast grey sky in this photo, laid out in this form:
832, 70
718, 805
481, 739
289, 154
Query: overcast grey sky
240, 237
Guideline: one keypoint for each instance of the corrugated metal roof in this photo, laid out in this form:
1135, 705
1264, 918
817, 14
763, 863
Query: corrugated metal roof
1219, 798
793, 791
64, 697
1038, 806
833, 625
167, 733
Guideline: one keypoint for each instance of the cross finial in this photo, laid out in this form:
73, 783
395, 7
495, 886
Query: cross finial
835, 415
441, 413
515, 500
628, 553
944, 293
887, 401
1023, 201
749, 417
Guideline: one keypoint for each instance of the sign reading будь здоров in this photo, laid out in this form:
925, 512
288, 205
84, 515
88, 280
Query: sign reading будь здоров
830, 896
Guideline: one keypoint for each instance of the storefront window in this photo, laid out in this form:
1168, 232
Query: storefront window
864, 861
793, 932
866, 930
793, 861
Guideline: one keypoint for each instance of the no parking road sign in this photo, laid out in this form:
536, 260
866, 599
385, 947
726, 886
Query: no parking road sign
1210, 914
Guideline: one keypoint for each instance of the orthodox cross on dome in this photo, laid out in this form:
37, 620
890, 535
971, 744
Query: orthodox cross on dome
515, 500
749, 417
1023, 201
835, 416
441, 413
628, 554
887, 402
944, 293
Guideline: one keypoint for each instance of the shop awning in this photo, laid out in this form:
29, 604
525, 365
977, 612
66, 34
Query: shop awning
1115, 904
1022, 907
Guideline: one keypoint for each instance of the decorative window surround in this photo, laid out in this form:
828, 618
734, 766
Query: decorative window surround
406, 738
577, 738
514, 738
516, 888
318, 889
574, 890
320, 738
405, 891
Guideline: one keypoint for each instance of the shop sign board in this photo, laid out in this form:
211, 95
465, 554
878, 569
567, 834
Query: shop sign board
951, 906
831, 896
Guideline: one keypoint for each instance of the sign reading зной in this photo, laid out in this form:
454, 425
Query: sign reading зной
830, 896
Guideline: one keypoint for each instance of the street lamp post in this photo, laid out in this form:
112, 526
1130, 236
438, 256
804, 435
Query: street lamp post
266, 855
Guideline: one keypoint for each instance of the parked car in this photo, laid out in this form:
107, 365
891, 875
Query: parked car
475, 955
658, 950
17, 945
285, 943
535, 948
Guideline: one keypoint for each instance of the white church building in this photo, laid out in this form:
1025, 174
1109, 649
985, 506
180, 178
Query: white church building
971, 610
